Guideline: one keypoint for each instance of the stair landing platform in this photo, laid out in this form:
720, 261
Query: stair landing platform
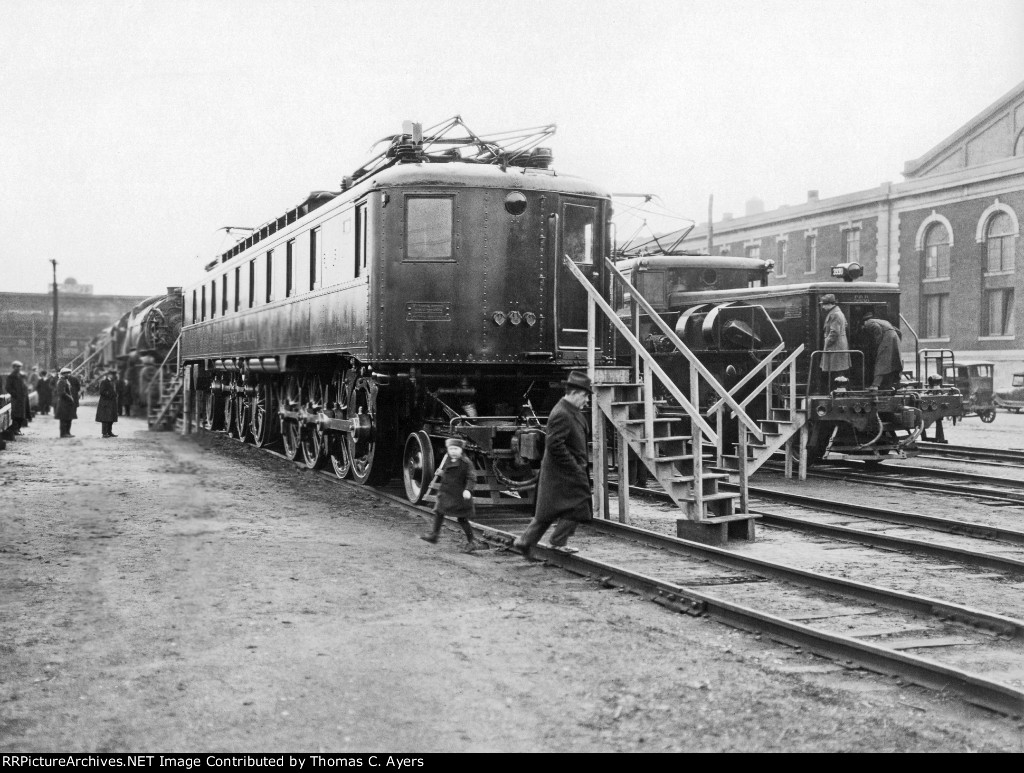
718, 530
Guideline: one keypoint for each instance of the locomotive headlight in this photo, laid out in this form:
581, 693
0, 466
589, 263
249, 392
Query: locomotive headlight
499, 317
821, 410
515, 317
515, 203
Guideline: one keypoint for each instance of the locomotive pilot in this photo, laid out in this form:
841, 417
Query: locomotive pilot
835, 360
455, 493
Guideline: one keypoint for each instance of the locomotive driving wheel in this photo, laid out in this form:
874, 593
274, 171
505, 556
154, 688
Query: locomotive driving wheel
214, 411
311, 437
291, 432
264, 420
417, 466
337, 443
367, 456
243, 413
230, 417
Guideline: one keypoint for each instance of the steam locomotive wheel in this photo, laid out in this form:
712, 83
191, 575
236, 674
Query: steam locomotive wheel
367, 455
214, 411
230, 423
337, 443
264, 415
291, 432
243, 416
417, 466
311, 436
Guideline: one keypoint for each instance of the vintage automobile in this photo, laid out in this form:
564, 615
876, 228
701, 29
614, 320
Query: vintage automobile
974, 380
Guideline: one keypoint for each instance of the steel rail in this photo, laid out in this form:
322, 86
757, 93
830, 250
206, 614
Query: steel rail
937, 523
901, 480
922, 671
970, 453
961, 555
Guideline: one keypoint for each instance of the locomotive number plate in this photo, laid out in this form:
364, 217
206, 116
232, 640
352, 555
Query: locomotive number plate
416, 311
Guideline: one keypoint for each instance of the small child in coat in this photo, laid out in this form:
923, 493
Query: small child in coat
454, 495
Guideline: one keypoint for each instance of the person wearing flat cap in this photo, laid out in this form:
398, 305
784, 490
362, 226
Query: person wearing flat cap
106, 408
885, 348
455, 492
15, 386
66, 409
563, 493
835, 360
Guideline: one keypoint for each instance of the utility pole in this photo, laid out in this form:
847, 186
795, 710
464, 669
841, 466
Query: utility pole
53, 327
711, 227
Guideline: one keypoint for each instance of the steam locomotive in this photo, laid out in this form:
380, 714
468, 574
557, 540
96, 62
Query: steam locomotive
425, 300
725, 311
137, 344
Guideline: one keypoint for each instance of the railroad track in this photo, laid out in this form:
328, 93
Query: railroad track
997, 456
856, 623
919, 478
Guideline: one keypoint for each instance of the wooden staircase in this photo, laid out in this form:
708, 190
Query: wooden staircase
669, 451
167, 384
670, 443
163, 415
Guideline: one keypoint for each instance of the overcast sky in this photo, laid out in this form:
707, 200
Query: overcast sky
131, 131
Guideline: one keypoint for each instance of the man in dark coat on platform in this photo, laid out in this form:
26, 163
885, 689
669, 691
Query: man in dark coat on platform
106, 408
66, 407
123, 396
15, 386
45, 391
885, 343
563, 493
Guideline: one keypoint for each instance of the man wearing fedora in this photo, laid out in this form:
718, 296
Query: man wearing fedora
835, 361
106, 408
66, 408
563, 493
15, 386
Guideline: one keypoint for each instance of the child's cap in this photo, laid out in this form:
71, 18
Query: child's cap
454, 441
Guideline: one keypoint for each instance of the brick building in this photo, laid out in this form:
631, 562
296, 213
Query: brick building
949, 235
26, 318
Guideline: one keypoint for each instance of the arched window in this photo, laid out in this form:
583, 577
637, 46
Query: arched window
936, 252
1018, 148
999, 238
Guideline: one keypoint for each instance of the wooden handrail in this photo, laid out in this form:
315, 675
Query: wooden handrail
691, 410
772, 376
670, 334
766, 362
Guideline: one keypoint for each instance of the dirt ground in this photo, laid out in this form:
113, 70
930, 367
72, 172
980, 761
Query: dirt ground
160, 593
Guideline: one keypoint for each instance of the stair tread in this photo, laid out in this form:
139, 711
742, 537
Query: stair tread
681, 458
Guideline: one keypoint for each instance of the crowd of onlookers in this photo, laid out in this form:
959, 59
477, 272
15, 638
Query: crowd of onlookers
36, 393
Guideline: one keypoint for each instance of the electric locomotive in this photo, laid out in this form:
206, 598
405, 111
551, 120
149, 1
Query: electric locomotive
724, 309
427, 299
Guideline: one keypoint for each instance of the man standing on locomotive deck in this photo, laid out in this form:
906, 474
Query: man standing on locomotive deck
563, 493
835, 361
885, 343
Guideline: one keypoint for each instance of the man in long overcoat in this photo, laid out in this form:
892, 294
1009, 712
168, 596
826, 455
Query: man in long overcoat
14, 385
563, 493
835, 360
106, 408
66, 408
45, 391
885, 343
